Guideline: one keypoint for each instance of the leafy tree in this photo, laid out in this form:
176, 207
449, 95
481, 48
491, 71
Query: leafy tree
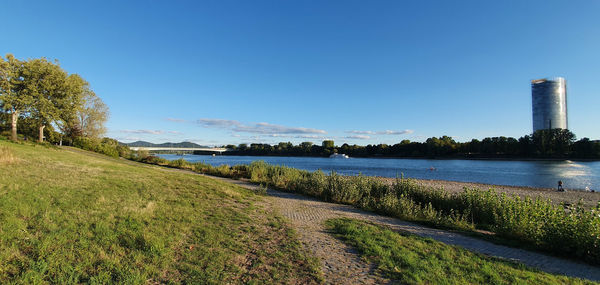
584, 148
90, 116
306, 145
526, 146
552, 143
327, 144
43, 94
14, 96
47, 83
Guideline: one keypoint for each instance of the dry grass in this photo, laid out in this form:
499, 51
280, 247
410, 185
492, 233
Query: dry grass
6, 156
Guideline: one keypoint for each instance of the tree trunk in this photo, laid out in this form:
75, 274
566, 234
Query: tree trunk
42, 133
15, 116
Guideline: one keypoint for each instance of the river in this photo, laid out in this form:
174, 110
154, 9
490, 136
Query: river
574, 174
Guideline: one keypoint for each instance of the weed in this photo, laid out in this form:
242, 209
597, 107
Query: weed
262, 189
6, 156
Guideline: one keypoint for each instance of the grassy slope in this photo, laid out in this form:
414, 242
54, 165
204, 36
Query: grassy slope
414, 260
70, 217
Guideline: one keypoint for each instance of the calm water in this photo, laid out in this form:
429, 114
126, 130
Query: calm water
575, 175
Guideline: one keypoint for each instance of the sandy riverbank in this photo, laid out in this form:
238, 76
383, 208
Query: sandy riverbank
590, 199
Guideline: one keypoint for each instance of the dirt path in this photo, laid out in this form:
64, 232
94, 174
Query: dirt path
342, 265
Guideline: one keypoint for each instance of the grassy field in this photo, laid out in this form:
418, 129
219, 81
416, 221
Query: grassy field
70, 216
410, 259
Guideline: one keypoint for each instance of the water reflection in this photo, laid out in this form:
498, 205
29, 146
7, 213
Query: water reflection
575, 175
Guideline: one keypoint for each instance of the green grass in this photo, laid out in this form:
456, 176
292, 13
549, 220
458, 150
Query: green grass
410, 259
70, 216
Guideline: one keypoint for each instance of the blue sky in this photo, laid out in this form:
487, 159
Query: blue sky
361, 72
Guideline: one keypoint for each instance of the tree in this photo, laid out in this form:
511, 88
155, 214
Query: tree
306, 145
328, 144
14, 97
554, 142
91, 114
45, 95
47, 84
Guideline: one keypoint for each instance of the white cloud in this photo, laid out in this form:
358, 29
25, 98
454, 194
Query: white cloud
359, 137
176, 120
149, 132
310, 137
361, 132
386, 132
257, 128
218, 123
128, 139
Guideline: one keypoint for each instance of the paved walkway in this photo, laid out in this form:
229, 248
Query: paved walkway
342, 265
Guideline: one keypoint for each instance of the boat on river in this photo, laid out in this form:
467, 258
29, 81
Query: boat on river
339, 155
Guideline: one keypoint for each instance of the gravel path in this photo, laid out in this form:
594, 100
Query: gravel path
341, 264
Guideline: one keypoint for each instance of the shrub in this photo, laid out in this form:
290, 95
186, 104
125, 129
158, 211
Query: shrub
180, 163
105, 146
151, 159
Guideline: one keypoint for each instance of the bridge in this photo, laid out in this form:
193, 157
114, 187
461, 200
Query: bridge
207, 149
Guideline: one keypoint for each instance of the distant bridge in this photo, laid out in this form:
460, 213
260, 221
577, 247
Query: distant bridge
207, 149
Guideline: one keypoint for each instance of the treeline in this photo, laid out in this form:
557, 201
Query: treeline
40, 100
555, 143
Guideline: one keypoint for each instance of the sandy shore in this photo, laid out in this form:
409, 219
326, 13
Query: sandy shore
590, 199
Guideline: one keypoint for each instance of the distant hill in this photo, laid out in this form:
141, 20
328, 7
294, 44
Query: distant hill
168, 144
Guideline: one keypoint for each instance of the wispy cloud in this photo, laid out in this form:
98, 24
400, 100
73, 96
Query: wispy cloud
218, 123
386, 132
359, 137
310, 137
361, 132
148, 132
256, 128
128, 138
176, 120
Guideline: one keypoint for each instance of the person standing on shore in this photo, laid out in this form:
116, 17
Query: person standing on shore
560, 186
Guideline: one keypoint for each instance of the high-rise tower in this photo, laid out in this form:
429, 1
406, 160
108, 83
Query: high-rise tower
549, 103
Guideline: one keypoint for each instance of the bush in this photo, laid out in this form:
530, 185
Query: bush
107, 146
180, 163
151, 159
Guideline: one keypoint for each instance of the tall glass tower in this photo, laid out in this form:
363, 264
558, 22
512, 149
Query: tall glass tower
549, 103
